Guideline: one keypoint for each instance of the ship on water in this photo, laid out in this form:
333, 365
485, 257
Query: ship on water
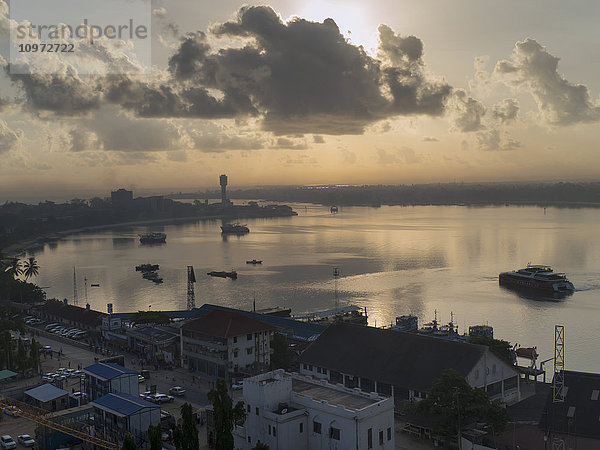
537, 277
234, 228
153, 238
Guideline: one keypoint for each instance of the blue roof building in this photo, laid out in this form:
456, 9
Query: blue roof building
48, 397
104, 378
116, 415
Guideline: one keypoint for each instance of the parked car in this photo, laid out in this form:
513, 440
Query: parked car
25, 440
12, 411
51, 325
7, 442
162, 398
237, 386
177, 390
46, 349
141, 379
147, 395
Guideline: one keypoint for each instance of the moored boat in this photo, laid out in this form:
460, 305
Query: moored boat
147, 267
153, 238
234, 228
232, 274
254, 261
538, 277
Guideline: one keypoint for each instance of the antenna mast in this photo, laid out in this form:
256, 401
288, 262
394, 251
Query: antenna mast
74, 287
558, 386
191, 296
336, 274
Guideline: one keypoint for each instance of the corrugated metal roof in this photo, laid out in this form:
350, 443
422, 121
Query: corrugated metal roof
107, 371
122, 404
46, 392
4, 374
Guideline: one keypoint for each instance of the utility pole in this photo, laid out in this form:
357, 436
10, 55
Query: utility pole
336, 274
74, 287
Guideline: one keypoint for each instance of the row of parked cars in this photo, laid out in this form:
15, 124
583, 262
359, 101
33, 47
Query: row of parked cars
8, 443
62, 374
156, 397
68, 332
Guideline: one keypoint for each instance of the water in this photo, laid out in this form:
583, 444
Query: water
393, 261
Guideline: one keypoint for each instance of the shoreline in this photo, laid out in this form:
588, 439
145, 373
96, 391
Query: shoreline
21, 247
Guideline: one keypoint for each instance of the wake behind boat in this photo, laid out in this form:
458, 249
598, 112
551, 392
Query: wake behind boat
538, 277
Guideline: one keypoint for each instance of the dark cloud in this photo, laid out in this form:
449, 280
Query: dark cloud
399, 49
4, 102
532, 68
494, 140
506, 110
430, 139
317, 139
465, 112
290, 144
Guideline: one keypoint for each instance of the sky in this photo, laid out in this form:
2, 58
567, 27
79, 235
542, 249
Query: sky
312, 92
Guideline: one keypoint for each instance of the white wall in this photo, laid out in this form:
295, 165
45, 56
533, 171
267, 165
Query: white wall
261, 349
125, 384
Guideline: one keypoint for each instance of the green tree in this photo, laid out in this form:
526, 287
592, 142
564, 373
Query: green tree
14, 268
34, 355
129, 443
225, 415
260, 446
155, 437
502, 349
31, 268
21, 361
452, 401
153, 317
186, 437
281, 357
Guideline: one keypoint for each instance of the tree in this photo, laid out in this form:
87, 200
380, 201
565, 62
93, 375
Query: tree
129, 442
153, 317
225, 415
30, 268
34, 355
281, 358
155, 437
14, 268
186, 437
452, 401
502, 349
260, 446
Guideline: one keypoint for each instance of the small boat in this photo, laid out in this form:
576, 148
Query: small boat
147, 267
150, 275
232, 274
153, 238
95, 285
538, 277
333, 209
254, 261
234, 228
157, 279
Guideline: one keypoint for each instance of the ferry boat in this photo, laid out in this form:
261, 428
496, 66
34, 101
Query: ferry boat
254, 261
153, 238
234, 228
537, 277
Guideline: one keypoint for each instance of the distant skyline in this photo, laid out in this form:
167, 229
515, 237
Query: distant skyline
317, 92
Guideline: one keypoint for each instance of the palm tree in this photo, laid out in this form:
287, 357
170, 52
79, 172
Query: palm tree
31, 268
14, 268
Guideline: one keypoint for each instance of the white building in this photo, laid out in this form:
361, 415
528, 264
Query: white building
294, 412
103, 378
226, 342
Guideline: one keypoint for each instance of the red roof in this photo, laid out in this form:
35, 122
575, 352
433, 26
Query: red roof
224, 324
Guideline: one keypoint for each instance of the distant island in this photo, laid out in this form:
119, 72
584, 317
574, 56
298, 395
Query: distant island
584, 194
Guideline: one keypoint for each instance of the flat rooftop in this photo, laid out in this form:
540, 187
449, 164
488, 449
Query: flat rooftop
349, 400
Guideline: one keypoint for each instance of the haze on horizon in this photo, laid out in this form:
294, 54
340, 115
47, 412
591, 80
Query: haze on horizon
318, 92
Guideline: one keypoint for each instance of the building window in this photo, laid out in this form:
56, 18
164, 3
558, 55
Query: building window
269, 430
235, 339
301, 427
249, 336
381, 437
249, 350
316, 427
389, 433
304, 366
334, 433
249, 408
274, 431
257, 410
235, 353
249, 440
310, 367
370, 438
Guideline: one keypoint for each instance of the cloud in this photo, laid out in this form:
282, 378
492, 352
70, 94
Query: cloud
386, 158
159, 12
533, 69
430, 139
493, 140
8, 137
317, 139
465, 112
290, 144
506, 110
4, 103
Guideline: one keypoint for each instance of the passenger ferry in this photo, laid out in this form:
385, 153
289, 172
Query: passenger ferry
538, 277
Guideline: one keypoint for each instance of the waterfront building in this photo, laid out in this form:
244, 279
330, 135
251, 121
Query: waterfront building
48, 397
294, 412
121, 198
225, 342
104, 378
116, 415
75, 316
155, 342
404, 365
